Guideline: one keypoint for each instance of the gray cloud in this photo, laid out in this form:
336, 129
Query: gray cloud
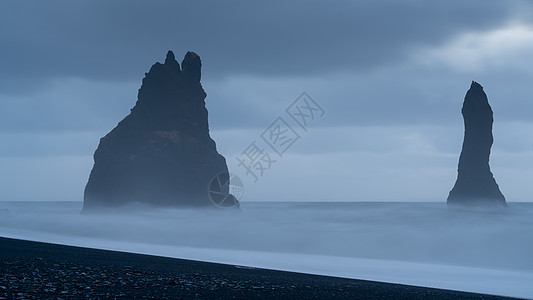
71, 69
68, 105
119, 40
352, 56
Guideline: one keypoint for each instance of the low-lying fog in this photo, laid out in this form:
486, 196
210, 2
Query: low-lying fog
379, 241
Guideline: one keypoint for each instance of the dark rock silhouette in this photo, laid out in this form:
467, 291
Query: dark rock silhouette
475, 183
161, 153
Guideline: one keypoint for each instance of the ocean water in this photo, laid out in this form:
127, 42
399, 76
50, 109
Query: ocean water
426, 244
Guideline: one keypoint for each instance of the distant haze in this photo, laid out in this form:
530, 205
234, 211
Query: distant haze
421, 244
390, 76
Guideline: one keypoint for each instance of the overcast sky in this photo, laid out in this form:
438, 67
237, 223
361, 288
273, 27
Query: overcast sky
390, 75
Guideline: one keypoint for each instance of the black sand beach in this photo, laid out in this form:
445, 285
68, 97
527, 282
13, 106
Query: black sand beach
33, 270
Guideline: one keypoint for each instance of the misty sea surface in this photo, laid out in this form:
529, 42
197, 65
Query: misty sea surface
427, 244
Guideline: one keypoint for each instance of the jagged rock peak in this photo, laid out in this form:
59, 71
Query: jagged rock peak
476, 95
171, 61
476, 86
170, 57
192, 66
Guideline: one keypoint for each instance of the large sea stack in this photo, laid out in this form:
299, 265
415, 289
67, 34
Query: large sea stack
475, 183
161, 153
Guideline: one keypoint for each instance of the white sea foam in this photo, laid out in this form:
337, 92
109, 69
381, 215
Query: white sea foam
488, 251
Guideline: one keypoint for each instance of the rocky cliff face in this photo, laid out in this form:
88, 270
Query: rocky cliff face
161, 153
475, 183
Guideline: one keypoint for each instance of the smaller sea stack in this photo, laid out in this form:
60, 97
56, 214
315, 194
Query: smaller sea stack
475, 185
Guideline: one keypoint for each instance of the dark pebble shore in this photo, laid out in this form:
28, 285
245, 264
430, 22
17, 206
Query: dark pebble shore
34, 270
